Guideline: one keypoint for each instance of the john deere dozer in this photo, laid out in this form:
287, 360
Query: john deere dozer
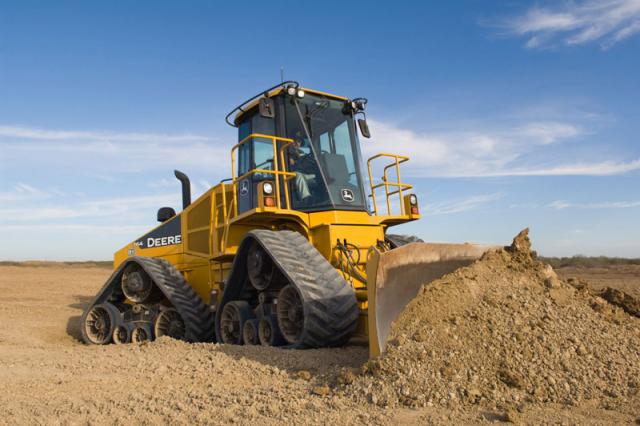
292, 250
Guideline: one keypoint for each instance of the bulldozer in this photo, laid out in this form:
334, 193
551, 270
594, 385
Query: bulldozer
293, 250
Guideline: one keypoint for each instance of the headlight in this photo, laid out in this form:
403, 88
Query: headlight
267, 188
300, 93
291, 90
413, 199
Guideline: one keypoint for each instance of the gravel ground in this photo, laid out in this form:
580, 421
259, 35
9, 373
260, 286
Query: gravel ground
477, 358
508, 334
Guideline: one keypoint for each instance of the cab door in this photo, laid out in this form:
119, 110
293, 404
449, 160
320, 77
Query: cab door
256, 153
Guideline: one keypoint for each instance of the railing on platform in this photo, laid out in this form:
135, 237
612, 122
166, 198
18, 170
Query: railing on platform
278, 172
397, 185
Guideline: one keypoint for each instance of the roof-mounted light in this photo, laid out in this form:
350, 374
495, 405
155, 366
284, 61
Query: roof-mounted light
291, 90
359, 104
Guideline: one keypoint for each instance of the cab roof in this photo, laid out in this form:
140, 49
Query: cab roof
252, 102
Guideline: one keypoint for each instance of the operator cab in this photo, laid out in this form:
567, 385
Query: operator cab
322, 152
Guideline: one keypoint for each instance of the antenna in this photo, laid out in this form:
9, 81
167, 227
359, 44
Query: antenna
281, 74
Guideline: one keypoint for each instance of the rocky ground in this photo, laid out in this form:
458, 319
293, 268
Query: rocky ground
502, 340
508, 334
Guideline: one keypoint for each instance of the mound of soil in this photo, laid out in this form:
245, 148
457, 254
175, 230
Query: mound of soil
505, 332
502, 332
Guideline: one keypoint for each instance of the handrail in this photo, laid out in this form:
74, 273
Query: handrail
276, 172
232, 210
263, 93
395, 163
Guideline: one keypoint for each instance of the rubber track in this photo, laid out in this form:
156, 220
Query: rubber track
198, 318
329, 302
397, 240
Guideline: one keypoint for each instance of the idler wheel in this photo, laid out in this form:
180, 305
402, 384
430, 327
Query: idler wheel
260, 267
142, 333
136, 284
100, 323
250, 332
234, 314
269, 333
121, 335
290, 314
170, 323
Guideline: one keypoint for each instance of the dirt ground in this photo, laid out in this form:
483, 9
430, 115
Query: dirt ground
48, 376
622, 277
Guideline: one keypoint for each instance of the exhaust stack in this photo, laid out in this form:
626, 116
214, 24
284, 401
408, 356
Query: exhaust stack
186, 188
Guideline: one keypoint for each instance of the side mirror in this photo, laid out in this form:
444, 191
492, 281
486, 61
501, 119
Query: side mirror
364, 128
165, 213
267, 108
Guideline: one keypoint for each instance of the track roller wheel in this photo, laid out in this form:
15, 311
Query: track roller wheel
269, 333
250, 332
121, 335
170, 323
137, 285
260, 267
100, 322
290, 314
141, 333
234, 315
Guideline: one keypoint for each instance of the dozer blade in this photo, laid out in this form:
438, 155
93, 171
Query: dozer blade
396, 276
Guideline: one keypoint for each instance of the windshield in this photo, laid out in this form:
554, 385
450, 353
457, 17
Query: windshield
325, 154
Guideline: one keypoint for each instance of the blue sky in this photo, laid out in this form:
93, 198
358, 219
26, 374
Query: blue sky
515, 113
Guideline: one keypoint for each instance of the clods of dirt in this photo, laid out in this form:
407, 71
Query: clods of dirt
506, 332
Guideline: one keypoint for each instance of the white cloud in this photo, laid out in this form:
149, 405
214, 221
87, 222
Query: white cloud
604, 168
487, 153
162, 183
103, 158
549, 132
129, 230
23, 132
197, 187
104, 208
562, 204
606, 22
440, 154
462, 205
100, 154
21, 192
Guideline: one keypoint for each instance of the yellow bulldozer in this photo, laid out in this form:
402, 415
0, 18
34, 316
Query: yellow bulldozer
291, 251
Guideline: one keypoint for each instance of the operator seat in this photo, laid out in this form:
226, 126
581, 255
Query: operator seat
335, 166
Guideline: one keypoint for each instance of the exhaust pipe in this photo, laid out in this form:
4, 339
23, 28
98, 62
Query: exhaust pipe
186, 188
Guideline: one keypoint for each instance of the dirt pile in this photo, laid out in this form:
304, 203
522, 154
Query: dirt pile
505, 332
615, 296
48, 376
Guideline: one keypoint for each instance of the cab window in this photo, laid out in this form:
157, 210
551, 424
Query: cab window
342, 142
258, 152
244, 157
325, 145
